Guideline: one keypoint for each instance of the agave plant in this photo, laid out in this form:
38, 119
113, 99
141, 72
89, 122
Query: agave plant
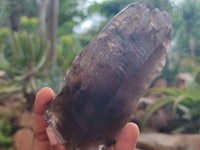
185, 104
24, 65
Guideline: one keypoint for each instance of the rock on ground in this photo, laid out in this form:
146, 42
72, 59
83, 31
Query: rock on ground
23, 139
159, 119
26, 120
181, 80
3, 75
158, 141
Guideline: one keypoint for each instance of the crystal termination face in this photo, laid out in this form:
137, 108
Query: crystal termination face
108, 77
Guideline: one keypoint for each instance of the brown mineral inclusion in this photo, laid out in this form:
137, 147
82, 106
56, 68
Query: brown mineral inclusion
108, 77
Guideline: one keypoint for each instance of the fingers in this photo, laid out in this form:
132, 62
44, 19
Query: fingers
128, 137
43, 141
126, 140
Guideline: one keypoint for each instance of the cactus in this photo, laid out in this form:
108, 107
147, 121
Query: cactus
25, 64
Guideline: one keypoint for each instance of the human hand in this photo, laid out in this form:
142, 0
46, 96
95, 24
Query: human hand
44, 138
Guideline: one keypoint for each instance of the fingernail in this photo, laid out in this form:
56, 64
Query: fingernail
51, 135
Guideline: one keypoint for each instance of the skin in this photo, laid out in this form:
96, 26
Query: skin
44, 137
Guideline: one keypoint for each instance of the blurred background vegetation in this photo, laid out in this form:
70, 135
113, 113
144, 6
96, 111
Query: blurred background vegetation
40, 38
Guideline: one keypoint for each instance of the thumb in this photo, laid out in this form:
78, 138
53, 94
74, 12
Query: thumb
52, 139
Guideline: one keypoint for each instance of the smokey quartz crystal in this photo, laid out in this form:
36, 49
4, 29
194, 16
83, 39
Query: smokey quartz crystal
108, 76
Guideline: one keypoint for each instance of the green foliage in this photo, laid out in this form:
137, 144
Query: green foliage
17, 8
24, 21
185, 39
4, 33
188, 65
28, 53
29, 24
197, 76
5, 132
152, 109
53, 79
163, 4
4, 38
170, 72
66, 52
186, 106
111, 8
25, 64
186, 20
68, 11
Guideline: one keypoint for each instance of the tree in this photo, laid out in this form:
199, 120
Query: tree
52, 27
186, 29
190, 13
71, 13
42, 7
